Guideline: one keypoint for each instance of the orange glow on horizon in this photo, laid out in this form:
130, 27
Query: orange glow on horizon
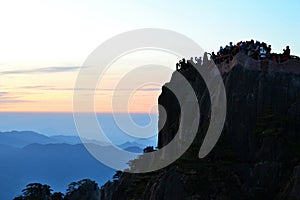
61, 102
50, 90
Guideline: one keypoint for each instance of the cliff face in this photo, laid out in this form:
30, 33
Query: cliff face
258, 153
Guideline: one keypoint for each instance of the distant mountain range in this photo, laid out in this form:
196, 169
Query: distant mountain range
20, 139
27, 156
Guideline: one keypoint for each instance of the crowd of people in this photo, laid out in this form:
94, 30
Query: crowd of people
183, 64
256, 50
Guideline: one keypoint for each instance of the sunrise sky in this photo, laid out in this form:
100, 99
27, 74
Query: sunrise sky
44, 43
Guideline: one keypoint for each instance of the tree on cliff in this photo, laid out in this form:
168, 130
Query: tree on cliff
84, 189
35, 191
57, 196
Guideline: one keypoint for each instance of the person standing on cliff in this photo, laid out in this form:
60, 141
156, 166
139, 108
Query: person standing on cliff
269, 51
199, 60
183, 64
262, 53
177, 66
205, 58
286, 53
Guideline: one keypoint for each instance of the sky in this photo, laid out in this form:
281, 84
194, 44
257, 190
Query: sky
43, 44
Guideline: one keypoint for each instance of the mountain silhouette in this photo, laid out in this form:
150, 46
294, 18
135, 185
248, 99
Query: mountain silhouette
258, 153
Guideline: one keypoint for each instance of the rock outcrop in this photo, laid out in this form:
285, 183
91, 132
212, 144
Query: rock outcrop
258, 153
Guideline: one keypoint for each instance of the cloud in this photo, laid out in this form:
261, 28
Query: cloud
7, 98
149, 89
8, 101
6, 95
42, 70
2, 94
41, 87
126, 89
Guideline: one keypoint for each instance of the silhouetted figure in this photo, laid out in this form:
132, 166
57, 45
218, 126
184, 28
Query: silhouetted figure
213, 57
199, 60
182, 63
229, 48
262, 53
205, 58
192, 59
177, 66
286, 53
269, 51
221, 49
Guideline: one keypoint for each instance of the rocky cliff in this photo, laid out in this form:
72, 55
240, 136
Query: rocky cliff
258, 153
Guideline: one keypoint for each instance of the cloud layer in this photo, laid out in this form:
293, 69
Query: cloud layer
42, 70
